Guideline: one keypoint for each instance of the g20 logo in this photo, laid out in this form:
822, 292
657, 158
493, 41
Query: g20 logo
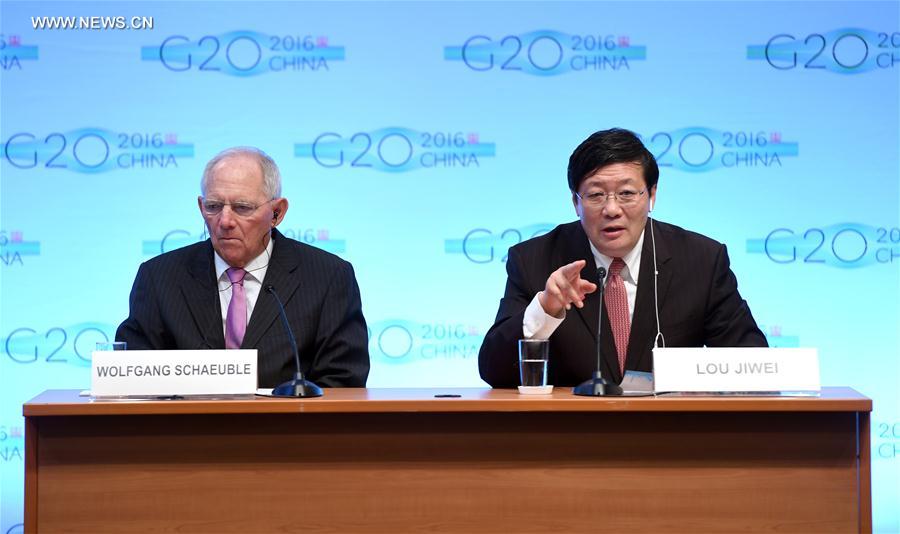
844, 51
396, 150
244, 53
546, 52
66, 345
400, 341
482, 245
95, 150
848, 245
700, 149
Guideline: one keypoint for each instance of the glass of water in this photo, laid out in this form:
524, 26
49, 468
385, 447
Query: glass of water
533, 356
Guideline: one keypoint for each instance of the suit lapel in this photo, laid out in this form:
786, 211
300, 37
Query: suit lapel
202, 298
643, 325
280, 275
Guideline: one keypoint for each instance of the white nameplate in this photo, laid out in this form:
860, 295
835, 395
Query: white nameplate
173, 372
735, 369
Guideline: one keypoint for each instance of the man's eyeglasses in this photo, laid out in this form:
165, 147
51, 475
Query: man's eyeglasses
626, 197
241, 209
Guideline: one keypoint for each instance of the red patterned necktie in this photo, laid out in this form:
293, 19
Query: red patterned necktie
236, 319
617, 307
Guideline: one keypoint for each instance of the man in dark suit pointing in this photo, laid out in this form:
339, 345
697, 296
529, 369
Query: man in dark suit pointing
212, 295
552, 279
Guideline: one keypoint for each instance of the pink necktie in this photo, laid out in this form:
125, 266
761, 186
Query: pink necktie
236, 320
617, 306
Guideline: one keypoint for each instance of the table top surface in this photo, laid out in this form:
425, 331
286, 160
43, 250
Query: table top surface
443, 400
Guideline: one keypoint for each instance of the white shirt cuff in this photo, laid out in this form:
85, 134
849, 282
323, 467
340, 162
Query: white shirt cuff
537, 323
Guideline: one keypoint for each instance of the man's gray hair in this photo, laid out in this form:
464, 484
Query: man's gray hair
271, 174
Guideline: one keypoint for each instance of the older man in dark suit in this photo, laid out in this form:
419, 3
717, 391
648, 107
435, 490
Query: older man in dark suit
692, 302
215, 294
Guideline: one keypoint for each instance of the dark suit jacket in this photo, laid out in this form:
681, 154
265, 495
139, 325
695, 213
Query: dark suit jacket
174, 304
699, 305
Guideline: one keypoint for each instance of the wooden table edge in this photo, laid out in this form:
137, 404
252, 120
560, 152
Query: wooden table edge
67, 402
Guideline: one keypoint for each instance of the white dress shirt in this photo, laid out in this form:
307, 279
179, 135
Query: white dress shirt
537, 324
256, 273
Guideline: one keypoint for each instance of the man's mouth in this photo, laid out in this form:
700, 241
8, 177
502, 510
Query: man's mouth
613, 231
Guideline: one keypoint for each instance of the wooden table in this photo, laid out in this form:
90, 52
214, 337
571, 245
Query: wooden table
382, 460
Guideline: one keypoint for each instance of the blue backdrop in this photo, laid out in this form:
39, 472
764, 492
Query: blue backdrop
420, 140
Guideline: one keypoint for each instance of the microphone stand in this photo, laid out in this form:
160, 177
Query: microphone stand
299, 386
597, 386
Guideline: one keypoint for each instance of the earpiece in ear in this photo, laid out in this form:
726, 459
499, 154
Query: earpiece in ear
275, 215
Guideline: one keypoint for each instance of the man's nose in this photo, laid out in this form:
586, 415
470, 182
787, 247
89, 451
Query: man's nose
227, 217
612, 208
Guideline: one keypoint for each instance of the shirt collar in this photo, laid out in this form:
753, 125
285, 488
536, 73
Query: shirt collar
254, 268
632, 260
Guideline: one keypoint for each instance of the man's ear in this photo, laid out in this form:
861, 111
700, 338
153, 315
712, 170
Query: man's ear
279, 210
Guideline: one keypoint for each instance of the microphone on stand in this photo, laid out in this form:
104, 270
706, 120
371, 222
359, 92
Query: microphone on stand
299, 386
598, 386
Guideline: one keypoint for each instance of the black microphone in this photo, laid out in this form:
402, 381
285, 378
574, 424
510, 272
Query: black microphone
299, 386
598, 386
601, 277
